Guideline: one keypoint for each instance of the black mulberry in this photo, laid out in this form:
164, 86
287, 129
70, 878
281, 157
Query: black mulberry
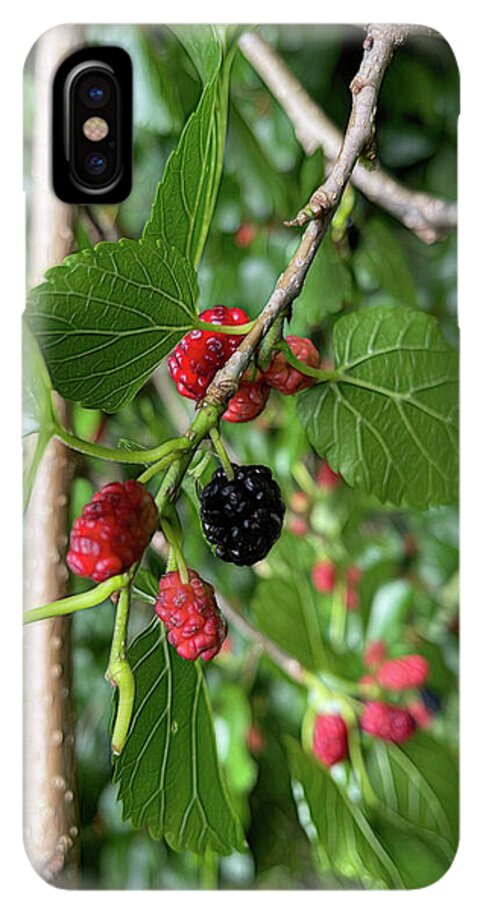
243, 516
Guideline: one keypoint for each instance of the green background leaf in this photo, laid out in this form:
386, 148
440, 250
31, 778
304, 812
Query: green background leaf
418, 783
388, 423
37, 410
203, 45
168, 773
106, 318
345, 841
185, 198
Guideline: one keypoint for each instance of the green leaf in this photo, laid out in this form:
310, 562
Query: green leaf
340, 831
106, 318
168, 773
328, 288
388, 610
287, 611
380, 263
203, 45
37, 407
418, 784
387, 420
185, 198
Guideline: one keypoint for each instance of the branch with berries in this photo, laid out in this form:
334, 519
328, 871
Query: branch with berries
228, 366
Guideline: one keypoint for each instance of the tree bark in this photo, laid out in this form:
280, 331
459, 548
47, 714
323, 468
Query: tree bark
50, 804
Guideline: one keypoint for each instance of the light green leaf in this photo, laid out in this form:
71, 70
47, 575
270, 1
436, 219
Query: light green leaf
418, 784
106, 318
37, 407
387, 421
344, 839
168, 773
185, 198
203, 45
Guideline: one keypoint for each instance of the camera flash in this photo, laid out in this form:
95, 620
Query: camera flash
95, 128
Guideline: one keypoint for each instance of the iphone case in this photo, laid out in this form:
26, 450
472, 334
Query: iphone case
241, 449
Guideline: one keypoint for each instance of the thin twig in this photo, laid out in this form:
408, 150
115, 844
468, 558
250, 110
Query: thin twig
428, 216
288, 664
379, 46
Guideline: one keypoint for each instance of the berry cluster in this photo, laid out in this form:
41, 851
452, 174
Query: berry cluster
386, 721
113, 531
192, 619
242, 517
200, 354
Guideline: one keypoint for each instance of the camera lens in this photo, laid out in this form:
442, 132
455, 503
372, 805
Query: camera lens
95, 163
96, 93
95, 90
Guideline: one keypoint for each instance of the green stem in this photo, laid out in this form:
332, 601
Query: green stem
222, 453
157, 467
116, 454
358, 764
78, 601
226, 329
318, 374
120, 674
176, 547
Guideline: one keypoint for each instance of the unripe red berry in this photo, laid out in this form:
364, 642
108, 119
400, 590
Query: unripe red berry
297, 525
330, 739
352, 599
299, 502
323, 576
245, 234
374, 653
326, 478
368, 680
200, 354
354, 575
192, 619
255, 740
403, 673
249, 401
390, 723
283, 377
113, 531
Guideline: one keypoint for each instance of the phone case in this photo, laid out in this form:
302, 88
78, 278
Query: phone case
241, 449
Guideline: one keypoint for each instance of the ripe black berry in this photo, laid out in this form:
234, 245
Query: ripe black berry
242, 517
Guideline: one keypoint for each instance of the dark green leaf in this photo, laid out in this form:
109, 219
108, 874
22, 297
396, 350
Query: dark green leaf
388, 420
168, 773
328, 288
380, 263
106, 318
418, 784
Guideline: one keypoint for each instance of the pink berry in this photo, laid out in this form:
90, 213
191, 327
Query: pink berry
403, 673
323, 576
330, 739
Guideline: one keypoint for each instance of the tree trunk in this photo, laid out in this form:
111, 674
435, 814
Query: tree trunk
50, 803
